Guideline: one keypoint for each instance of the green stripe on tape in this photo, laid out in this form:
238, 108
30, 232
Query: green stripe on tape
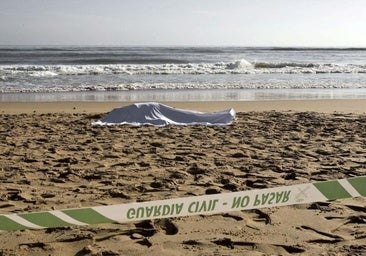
332, 190
44, 219
8, 224
88, 216
359, 183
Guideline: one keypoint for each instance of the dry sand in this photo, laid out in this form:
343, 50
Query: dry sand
51, 158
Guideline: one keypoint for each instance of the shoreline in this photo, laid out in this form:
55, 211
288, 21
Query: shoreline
322, 106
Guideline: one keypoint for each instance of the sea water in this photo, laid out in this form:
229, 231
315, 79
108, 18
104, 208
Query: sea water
31, 73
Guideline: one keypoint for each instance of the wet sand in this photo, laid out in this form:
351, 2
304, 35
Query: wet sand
324, 106
52, 158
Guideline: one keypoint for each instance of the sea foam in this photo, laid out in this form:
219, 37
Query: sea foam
236, 67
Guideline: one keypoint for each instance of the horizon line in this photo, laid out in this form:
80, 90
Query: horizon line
181, 45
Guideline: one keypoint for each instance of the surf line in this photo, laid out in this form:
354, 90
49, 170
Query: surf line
187, 206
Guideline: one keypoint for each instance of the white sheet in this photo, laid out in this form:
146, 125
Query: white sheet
160, 115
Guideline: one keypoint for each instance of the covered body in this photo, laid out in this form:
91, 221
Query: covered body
160, 115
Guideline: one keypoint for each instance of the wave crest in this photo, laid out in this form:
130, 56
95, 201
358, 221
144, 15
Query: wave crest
236, 67
239, 64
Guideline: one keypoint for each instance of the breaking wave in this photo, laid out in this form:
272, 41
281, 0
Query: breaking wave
236, 67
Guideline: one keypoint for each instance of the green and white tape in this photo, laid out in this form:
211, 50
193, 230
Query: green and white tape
178, 207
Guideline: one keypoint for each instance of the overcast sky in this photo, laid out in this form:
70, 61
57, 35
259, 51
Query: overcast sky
324, 23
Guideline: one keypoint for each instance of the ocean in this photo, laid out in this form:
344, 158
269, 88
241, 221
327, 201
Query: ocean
68, 73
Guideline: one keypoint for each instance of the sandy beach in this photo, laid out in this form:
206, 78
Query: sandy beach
52, 158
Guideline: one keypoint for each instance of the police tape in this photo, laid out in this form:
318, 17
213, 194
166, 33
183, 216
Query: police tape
187, 206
